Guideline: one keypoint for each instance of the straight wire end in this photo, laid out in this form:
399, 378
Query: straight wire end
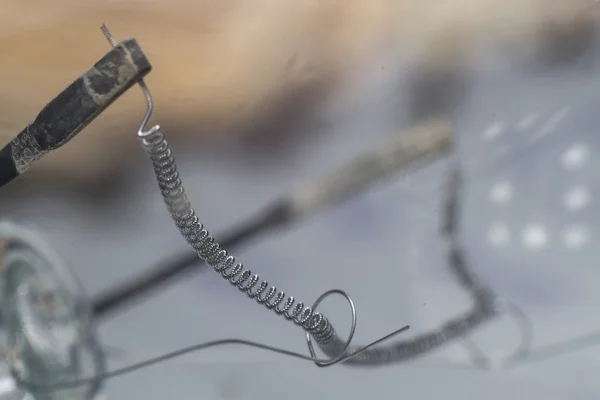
75, 107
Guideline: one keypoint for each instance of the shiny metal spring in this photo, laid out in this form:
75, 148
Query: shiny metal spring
210, 251
314, 323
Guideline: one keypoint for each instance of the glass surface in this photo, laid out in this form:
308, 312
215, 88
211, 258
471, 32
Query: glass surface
528, 145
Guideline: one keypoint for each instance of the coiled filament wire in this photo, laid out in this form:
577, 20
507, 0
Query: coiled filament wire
314, 323
210, 251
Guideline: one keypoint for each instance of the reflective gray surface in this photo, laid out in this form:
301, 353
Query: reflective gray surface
528, 144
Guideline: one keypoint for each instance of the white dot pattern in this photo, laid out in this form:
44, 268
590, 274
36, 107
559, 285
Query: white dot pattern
536, 236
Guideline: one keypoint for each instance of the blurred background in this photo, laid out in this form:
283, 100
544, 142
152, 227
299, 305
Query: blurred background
257, 97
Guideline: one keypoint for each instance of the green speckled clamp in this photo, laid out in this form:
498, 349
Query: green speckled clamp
75, 107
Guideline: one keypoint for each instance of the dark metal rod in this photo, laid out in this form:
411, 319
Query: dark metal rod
74, 108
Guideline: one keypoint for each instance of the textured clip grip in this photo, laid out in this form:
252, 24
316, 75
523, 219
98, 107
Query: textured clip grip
75, 107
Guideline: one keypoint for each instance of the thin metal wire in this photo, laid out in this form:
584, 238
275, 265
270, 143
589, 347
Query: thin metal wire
180, 352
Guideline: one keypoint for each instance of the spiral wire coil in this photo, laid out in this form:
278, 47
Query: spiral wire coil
314, 323
210, 251
60, 361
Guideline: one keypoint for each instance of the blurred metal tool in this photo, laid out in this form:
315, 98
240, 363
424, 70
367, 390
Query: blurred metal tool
46, 317
74, 108
417, 146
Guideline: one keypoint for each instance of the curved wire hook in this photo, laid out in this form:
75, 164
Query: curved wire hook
141, 133
483, 361
343, 355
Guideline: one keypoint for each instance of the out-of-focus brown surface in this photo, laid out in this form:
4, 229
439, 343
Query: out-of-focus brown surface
229, 68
